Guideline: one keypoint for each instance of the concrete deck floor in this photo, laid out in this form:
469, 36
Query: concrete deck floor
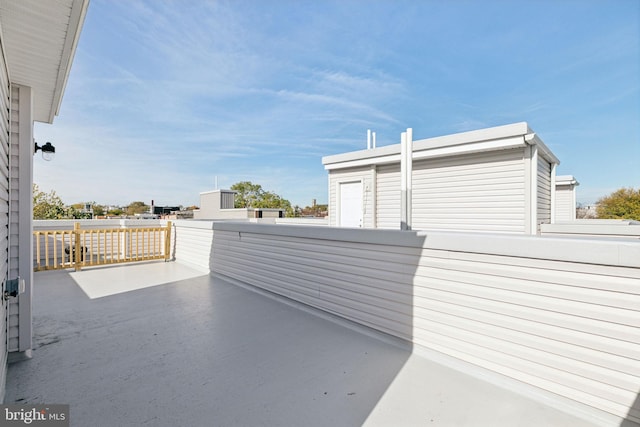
190, 350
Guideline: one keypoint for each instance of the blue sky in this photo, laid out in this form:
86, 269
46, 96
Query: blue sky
165, 96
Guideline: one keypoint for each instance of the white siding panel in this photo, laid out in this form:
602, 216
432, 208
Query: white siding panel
479, 192
19, 317
15, 160
193, 243
544, 191
568, 327
388, 197
565, 209
4, 211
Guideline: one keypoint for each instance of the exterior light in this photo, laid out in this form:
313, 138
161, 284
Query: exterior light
48, 151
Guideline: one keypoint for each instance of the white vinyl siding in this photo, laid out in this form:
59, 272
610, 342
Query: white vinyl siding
13, 254
561, 316
544, 191
192, 243
388, 198
20, 254
565, 208
474, 192
351, 175
4, 212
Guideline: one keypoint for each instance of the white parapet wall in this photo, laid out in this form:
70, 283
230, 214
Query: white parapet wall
556, 316
193, 243
595, 228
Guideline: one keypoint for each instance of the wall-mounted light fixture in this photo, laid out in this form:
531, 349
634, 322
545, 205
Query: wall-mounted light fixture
48, 150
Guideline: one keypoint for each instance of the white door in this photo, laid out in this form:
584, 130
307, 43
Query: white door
350, 204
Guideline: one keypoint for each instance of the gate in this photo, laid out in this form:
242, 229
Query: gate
77, 248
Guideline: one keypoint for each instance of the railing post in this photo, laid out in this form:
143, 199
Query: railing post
167, 242
77, 250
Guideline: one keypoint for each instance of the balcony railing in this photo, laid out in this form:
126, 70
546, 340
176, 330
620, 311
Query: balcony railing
77, 248
553, 317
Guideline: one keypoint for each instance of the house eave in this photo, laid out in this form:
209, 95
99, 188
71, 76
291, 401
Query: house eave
39, 42
566, 180
533, 139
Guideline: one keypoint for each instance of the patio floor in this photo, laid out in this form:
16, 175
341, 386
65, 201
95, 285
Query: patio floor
161, 344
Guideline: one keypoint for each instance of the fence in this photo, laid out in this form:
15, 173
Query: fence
77, 248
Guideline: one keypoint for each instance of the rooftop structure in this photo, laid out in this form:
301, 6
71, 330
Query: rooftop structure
565, 192
219, 204
498, 179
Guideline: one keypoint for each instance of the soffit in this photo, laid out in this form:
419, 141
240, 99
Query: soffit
39, 39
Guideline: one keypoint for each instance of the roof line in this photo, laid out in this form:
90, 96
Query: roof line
76, 21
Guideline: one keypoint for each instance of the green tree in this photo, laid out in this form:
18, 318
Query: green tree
137, 208
77, 211
98, 210
621, 204
249, 195
115, 212
47, 205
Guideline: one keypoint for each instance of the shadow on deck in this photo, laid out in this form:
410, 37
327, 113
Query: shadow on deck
160, 344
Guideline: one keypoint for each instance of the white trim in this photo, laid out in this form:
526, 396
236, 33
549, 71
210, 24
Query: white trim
527, 189
566, 180
553, 192
394, 158
496, 138
406, 182
422, 152
427, 153
374, 196
25, 209
409, 177
546, 153
479, 135
500, 144
404, 206
574, 202
76, 21
218, 191
462, 141
533, 182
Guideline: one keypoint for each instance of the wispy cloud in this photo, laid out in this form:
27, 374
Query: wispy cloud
164, 96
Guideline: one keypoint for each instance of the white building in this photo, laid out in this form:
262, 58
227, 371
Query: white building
496, 180
565, 206
219, 204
